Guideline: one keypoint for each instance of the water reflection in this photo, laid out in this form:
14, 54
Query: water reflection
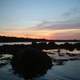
59, 62
4, 59
31, 63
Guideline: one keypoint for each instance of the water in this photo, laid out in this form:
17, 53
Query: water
65, 42
28, 43
70, 70
12, 43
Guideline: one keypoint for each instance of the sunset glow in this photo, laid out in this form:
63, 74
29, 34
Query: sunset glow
46, 19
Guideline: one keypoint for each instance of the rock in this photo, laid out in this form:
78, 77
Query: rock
30, 62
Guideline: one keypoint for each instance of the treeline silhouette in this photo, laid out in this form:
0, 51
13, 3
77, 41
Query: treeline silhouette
16, 39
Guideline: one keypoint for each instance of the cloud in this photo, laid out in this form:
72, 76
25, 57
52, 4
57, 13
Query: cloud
57, 25
72, 12
70, 20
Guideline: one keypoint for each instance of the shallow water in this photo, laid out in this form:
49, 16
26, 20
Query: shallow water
69, 71
13, 43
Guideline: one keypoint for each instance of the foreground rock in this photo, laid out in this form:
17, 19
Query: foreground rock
30, 62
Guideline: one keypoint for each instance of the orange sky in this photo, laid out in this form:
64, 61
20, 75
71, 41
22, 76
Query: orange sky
44, 34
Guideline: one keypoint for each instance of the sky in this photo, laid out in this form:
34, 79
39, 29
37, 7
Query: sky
47, 19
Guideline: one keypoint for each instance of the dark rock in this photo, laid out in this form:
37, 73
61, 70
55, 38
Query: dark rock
30, 62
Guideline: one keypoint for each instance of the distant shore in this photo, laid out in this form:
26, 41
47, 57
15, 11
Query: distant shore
16, 39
